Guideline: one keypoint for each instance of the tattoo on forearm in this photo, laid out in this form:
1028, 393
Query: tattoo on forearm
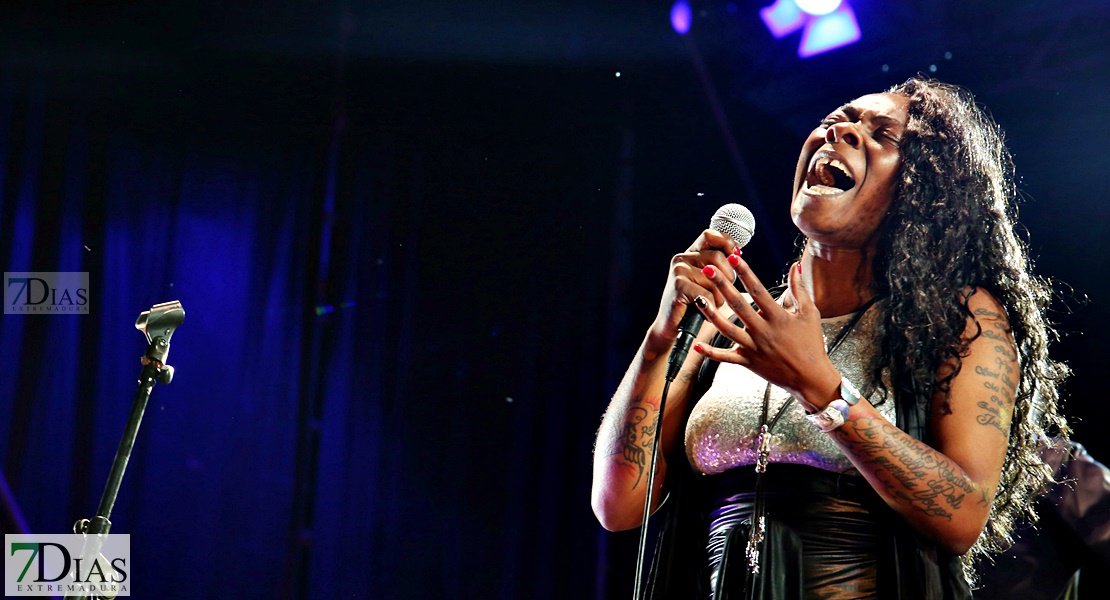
634, 444
910, 472
918, 477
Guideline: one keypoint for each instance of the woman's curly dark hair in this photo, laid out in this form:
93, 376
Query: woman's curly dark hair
950, 229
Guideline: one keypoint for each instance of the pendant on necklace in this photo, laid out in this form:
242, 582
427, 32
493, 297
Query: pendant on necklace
764, 442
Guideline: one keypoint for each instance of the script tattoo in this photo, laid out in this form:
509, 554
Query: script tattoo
983, 312
993, 415
637, 436
1005, 346
999, 378
914, 475
986, 372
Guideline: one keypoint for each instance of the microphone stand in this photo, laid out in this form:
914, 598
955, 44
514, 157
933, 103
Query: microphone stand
158, 325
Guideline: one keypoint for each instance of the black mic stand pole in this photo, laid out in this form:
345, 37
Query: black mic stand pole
158, 325
688, 330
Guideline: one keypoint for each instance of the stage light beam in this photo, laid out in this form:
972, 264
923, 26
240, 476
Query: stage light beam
823, 31
818, 7
782, 18
831, 31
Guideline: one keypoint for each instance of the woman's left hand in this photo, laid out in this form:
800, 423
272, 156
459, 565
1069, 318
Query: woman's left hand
784, 346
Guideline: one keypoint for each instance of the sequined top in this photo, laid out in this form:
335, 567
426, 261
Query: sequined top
722, 430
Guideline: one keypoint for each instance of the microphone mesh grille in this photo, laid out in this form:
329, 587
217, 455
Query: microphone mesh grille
735, 221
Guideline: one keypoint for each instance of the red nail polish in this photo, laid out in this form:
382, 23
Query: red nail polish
709, 271
697, 347
799, 267
738, 251
734, 260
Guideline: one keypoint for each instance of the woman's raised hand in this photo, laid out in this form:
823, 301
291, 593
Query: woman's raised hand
785, 346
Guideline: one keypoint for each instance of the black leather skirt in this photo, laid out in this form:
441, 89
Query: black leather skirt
826, 535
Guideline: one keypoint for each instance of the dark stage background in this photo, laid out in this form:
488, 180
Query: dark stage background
417, 243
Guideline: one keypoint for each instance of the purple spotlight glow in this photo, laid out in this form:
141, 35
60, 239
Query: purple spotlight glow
782, 18
681, 17
831, 31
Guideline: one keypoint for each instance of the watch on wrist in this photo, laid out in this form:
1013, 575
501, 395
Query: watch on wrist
836, 413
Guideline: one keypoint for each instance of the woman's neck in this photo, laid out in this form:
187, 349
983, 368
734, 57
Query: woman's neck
839, 279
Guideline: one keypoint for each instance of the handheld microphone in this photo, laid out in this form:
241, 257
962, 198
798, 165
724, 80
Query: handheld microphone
737, 222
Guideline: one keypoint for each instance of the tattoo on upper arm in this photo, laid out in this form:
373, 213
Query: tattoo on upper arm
634, 444
913, 474
998, 378
1005, 346
990, 314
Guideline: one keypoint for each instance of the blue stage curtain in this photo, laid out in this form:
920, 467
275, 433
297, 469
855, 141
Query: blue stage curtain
456, 410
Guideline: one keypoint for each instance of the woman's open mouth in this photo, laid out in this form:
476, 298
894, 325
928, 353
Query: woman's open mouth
828, 176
